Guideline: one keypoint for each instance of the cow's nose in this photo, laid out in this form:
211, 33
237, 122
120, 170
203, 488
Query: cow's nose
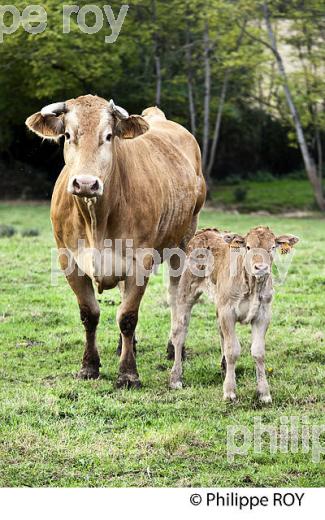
86, 186
261, 268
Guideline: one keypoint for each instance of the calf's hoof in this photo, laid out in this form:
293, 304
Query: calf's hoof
229, 396
171, 351
175, 385
128, 381
265, 399
88, 373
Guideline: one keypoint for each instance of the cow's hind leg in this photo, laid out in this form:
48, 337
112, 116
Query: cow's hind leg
119, 345
127, 318
89, 314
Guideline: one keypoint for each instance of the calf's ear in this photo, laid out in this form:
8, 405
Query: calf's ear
286, 242
286, 239
46, 126
131, 127
234, 239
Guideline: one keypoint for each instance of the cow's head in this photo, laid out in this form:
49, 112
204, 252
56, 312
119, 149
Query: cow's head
89, 124
259, 247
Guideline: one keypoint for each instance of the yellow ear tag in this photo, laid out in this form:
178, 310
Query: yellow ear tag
235, 247
285, 248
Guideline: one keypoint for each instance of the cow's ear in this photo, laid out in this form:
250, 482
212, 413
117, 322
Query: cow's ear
48, 126
234, 239
131, 127
286, 242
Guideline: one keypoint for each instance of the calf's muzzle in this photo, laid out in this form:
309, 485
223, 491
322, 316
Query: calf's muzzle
261, 269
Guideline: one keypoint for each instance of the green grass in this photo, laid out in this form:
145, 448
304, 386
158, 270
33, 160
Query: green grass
59, 431
274, 196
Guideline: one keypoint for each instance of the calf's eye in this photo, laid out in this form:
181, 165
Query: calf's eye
108, 137
67, 135
248, 248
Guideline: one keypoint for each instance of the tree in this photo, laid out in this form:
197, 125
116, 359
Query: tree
289, 14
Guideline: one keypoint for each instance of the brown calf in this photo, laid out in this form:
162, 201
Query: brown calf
239, 280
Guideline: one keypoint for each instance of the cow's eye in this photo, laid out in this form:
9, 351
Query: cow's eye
248, 248
108, 137
67, 136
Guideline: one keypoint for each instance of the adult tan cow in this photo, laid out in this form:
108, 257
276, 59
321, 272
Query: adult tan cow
126, 178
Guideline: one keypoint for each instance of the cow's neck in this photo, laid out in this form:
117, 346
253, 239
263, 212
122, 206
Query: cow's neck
91, 205
98, 213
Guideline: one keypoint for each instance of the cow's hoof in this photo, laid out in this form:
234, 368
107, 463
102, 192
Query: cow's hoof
229, 396
128, 381
88, 373
171, 351
175, 385
265, 399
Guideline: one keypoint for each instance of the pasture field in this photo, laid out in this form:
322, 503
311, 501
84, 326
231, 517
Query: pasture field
58, 431
274, 196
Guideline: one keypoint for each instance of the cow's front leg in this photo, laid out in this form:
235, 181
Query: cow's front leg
259, 329
89, 314
231, 347
127, 318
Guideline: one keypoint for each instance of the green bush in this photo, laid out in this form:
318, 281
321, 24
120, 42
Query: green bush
30, 233
6, 231
261, 176
240, 194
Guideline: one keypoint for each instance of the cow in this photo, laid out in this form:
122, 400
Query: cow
127, 178
235, 271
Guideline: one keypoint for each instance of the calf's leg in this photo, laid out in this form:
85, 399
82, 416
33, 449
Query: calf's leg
223, 363
172, 301
173, 288
231, 354
259, 329
189, 291
89, 314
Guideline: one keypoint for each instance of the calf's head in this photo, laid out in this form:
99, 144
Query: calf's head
258, 248
89, 125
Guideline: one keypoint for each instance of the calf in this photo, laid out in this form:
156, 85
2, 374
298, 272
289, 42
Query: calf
239, 280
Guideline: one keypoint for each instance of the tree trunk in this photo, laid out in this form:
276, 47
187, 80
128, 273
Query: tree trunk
156, 54
191, 104
207, 95
158, 80
310, 166
319, 152
216, 132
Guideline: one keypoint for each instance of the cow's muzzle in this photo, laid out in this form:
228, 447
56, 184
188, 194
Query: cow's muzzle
86, 186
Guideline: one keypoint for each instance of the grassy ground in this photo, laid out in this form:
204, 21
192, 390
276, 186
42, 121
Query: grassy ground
275, 196
58, 431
